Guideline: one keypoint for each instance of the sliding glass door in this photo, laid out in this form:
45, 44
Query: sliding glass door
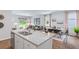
72, 21
71, 25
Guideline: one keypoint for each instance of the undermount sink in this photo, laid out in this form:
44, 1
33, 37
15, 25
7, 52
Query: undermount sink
24, 33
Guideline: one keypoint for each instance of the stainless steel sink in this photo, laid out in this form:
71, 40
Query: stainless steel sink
24, 33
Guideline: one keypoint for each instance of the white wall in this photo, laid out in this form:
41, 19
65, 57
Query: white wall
5, 31
10, 19
47, 19
59, 17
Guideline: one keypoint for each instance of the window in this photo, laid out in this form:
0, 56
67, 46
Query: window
37, 21
71, 25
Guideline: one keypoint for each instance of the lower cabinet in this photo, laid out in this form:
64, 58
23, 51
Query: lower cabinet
28, 45
44, 45
20, 43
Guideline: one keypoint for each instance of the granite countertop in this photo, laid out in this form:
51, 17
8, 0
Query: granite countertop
37, 37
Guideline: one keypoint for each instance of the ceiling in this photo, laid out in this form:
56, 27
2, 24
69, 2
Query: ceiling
32, 12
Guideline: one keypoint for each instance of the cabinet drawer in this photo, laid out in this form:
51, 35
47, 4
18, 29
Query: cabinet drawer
28, 45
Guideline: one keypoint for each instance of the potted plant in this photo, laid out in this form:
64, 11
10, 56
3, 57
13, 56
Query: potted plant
76, 30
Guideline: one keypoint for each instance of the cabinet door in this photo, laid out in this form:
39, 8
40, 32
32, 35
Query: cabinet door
28, 45
18, 42
46, 45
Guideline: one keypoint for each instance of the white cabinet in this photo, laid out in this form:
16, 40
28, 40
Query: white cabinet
21, 43
18, 42
28, 45
45, 45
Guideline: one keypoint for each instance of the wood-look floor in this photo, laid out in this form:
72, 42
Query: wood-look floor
5, 44
72, 43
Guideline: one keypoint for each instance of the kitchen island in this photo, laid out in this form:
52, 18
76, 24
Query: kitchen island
35, 40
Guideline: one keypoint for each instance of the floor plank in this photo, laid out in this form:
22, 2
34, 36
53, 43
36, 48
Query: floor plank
72, 43
5, 44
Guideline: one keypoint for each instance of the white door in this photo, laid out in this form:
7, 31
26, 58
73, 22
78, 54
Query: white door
18, 42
